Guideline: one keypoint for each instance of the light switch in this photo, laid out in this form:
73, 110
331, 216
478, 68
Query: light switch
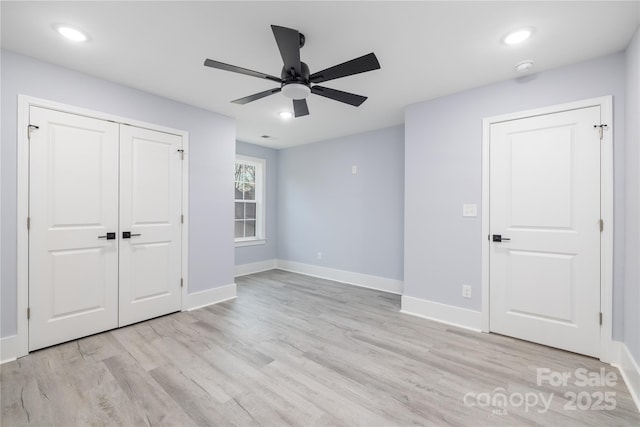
354, 169
469, 210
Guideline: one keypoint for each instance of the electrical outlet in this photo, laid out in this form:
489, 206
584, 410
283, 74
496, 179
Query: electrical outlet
319, 255
466, 291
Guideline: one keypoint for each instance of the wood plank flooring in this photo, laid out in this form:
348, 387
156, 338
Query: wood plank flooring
301, 351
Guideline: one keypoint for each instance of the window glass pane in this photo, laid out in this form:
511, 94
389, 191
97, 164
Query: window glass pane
239, 169
249, 192
239, 229
250, 210
249, 229
249, 174
239, 210
245, 190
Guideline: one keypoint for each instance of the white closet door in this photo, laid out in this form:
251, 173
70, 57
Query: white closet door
73, 268
150, 210
545, 198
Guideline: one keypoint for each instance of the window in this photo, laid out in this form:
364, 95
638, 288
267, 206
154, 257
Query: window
249, 200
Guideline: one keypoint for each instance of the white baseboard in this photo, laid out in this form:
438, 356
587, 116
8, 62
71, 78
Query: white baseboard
630, 372
358, 279
443, 313
255, 267
211, 296
8, 349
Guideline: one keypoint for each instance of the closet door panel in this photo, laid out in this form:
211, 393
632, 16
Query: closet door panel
73, 199
150, 224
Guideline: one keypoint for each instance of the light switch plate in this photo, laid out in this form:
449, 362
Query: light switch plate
469, 210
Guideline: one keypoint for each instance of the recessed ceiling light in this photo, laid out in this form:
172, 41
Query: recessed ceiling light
285, 115
71, 33
524, 66
518, 36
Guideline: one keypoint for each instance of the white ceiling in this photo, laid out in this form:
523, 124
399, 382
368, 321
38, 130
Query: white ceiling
426, 50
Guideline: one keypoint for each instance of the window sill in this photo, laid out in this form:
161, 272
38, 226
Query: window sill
254, 242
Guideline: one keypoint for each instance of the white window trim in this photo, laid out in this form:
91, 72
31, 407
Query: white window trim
261, 197
253, 241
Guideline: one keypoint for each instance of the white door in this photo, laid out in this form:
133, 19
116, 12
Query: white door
545, 198
73, 268
150, 210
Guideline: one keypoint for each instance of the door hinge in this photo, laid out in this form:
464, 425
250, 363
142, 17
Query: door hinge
28, 223
29, 129
600, 318
181, 219
28, 313
601, 225
181, 154
181, 282
601, 129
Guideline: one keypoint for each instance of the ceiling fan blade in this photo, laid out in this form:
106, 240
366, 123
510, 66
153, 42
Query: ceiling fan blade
338, 95
288, 41
222, 66
363, 64
256, 96
300, 107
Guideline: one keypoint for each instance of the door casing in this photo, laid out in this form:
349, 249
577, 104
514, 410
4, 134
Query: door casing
606, 190
24, 103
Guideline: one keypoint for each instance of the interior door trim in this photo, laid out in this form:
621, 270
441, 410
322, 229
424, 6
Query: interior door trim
606, 190
24, 104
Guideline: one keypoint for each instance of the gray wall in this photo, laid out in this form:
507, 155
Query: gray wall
443, 170
356, 221
211, 157
267, 251
632, 212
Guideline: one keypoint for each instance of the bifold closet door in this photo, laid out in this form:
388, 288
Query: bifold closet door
73, 205
150, 224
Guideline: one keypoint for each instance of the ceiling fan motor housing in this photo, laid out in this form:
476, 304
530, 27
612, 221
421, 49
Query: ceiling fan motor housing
296, 86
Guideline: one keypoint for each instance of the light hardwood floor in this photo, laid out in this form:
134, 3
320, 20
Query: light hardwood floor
301, 351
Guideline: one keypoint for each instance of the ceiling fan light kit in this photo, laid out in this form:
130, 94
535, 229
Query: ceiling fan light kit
296, 80
296, 90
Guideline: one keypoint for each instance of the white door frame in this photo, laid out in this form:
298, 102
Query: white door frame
24, 103
606, 191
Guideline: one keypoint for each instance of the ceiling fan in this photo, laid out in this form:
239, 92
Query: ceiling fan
295, 79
